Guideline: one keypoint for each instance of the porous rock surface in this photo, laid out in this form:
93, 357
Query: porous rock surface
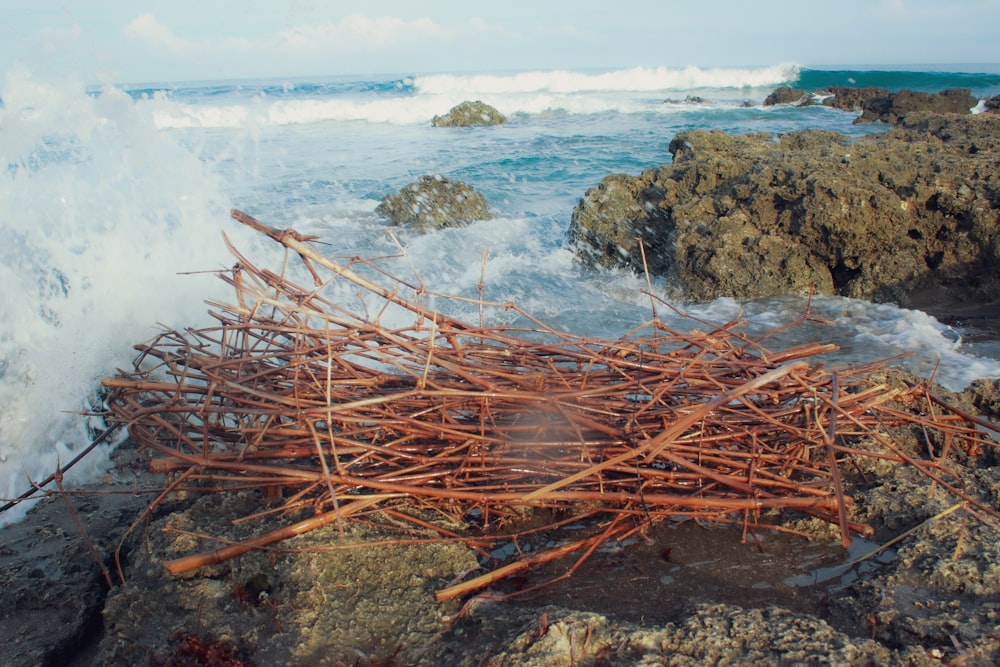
877, 104
468, 114
759, 215
434, 202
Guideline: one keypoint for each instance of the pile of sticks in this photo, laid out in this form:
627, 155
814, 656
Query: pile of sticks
331, 412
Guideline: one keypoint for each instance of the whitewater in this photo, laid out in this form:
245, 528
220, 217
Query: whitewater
115, 199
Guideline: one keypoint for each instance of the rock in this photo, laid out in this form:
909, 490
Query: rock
895, 106
847, 98
327, 598
759, 215
53, 588
469, 113
690, 99
434, 202
992, 104
710, 634
786, 95
876, 104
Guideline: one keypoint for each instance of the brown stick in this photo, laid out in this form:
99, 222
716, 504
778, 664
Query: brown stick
657, 444
452, 592
223, 554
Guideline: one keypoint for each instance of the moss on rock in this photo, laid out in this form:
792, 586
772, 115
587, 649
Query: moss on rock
468, 114
434, 202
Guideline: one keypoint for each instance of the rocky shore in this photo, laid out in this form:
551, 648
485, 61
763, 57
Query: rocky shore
893, 217
880, 218
688, 594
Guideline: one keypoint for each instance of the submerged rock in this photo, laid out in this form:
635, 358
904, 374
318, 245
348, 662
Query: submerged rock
469, 113
759, 215
434, 202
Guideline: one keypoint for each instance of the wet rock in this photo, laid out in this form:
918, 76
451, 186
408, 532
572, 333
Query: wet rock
992, 104
690, 99
786, 95
892, 107
434, 202
878, 104
760, 215
53, 587
849, 98
469, 113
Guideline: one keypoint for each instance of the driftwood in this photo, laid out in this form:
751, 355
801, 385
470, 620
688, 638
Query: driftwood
335, 415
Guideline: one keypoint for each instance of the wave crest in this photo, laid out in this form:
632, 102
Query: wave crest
636, 79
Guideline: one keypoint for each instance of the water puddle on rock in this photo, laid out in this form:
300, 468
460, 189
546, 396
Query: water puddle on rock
688, 563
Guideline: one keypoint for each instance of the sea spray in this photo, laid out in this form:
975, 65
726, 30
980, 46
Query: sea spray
102, 214
107, 195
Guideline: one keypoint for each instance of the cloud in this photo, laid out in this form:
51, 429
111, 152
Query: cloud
148, 29
56, 39
361, 32
354, 33
389, 41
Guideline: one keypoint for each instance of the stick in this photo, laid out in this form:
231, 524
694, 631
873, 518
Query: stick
179, 565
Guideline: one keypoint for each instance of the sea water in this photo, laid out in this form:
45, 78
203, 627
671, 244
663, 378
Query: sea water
114, 200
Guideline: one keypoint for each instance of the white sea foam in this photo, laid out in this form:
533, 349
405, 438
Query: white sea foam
623, 91
638, 79
101, 213
864, 331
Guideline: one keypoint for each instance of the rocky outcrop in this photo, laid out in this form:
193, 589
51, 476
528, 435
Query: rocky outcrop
758, 215
788, 95
847, 98
434, 202
894, 106
876, 104
469, 113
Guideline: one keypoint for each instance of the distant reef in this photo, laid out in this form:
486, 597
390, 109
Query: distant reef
877, 104
879, 218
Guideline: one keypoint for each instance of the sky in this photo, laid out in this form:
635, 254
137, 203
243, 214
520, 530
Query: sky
132, 41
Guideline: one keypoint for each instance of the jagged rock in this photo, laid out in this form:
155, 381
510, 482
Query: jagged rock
878, 103
786, 95
992, 104
469, 113
895, 106
848, 98
690, 99
759, 215
434, 202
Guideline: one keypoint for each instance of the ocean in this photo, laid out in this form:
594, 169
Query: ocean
115, 198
